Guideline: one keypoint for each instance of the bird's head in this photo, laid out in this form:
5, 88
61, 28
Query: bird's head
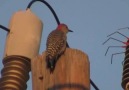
64, 28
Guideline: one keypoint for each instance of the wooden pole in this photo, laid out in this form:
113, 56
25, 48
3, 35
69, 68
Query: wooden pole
72, 72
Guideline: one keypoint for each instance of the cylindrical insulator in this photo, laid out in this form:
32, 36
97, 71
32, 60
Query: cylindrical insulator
22, 44
15, 73
125, 77
25, 35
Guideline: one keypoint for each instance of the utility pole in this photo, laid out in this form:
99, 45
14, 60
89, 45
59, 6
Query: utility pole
72, 72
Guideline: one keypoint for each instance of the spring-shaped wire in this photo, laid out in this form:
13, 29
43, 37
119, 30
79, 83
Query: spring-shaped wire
125, 75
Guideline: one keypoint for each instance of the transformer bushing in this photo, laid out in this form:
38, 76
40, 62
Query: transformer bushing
15, 73
22, 44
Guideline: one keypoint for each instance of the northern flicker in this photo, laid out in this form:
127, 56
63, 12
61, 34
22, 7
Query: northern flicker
56, 45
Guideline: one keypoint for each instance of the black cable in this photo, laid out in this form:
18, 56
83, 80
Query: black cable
52, 10
93, 84
58, 22
4, 28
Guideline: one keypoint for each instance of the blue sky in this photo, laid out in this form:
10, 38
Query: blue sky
91, 21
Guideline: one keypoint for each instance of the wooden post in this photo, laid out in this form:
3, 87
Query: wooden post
72, 72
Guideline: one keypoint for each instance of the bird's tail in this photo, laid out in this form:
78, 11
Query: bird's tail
50, 64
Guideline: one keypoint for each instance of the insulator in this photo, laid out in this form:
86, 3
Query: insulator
15, 73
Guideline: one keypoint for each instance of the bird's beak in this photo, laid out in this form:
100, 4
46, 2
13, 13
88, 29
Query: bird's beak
70, 30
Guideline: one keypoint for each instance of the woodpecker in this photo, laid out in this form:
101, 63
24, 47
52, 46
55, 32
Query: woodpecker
56, 45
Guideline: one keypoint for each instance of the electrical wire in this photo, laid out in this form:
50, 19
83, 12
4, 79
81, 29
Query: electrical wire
52, 10
4, 28
93, 84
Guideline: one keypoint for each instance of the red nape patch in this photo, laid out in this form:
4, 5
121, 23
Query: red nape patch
61, 25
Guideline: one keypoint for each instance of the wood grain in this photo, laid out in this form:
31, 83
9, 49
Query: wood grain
72, 72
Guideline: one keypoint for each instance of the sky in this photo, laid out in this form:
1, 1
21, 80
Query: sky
91, 21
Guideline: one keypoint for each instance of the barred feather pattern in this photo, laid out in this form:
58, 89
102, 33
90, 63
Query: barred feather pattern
56, 45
